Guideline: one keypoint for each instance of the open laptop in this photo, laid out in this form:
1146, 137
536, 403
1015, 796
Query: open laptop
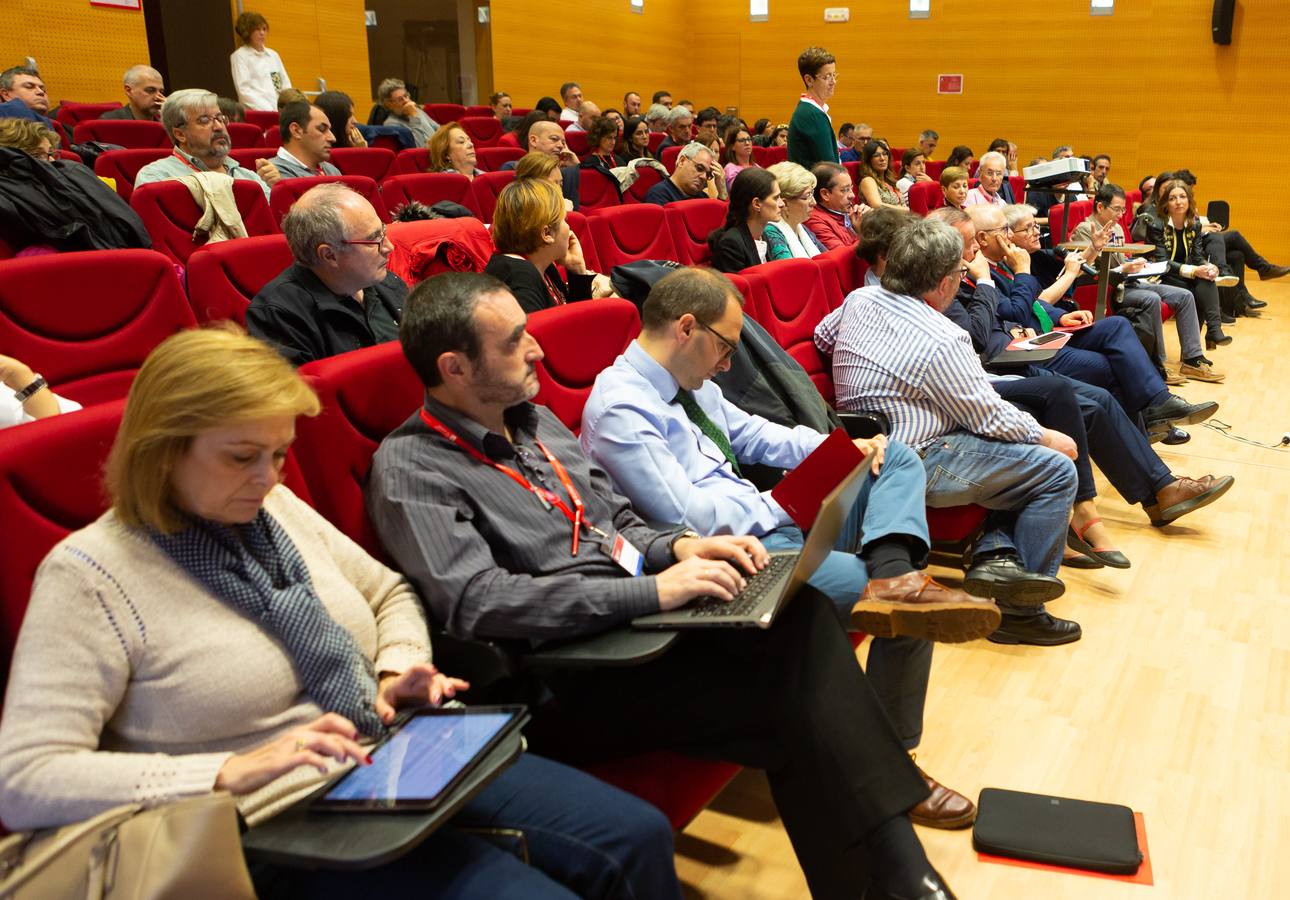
766, 593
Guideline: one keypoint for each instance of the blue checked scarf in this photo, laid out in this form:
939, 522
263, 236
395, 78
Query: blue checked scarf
257, 570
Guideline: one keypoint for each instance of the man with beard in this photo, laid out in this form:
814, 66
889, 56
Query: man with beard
192, 119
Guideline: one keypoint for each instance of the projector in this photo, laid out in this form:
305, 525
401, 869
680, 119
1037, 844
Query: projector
1059, 171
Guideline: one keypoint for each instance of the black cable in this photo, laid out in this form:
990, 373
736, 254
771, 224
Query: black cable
1225, 430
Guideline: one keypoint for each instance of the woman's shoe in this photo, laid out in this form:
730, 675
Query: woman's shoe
1107, 556
1227, 318
1214, 340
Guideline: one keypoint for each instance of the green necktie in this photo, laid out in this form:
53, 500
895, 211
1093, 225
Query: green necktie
696, 415
1045, 320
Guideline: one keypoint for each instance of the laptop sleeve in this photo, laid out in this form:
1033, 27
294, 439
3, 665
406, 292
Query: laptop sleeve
1057, 831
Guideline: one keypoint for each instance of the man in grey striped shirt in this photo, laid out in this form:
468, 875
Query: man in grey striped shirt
894, 352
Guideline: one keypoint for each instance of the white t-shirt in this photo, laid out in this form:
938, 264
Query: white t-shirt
568, 115
259, 76
12, 413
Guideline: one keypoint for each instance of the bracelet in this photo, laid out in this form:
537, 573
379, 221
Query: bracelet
36, 385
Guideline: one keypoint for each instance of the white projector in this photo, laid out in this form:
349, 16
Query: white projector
1059, 171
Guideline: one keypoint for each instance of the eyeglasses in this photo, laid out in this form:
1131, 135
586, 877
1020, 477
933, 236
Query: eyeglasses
1033, 226
743, 140
833, 77
704, 171
1118, 210
47, 155
207, 121
374, 242
730, 347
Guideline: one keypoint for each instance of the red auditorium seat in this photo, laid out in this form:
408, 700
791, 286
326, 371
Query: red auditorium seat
484, 189
926, 196
788, 299
69, 156
597, 190
768, 156
934, 169
264, 119
853, 169
634, 231
577, 142
445, 112
656, 138
476, 111
491, 159
1062, 220
646, 178
273, 138
71, 114
1018, 183
287, 191
484, 131
126, 132
669, 158
426, 187
413, 161
244, 134
509, 139
690, 223
582, 231
519, 112
1126, 221
975, 164
224, 277
841, 272
89, 343
123, 166
246, 156
169, 213
374, 162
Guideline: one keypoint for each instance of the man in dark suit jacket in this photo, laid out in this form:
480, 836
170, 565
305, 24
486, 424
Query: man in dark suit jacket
544, 136
144, 94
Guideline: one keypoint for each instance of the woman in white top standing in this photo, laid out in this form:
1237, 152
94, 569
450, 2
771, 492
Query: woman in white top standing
258, 72
797, 187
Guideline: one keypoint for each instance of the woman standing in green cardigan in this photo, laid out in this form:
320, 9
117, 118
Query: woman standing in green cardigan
810, 131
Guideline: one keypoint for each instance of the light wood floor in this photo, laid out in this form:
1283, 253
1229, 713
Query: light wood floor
1176, 702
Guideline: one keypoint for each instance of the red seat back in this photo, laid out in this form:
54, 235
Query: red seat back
646, 178
656, 138
768, 156
789, 300
287, 191
223, 278
372, 162
445, 112
669, 158
485, 188
426, 187
413, 161
582, 231
630, 232
934, 169
853, 169
484, 131
72, 114
1018, 183
264, 119
126, 132
86, 321
690, 223
926, 196
475, 111
1076, 213
244, 134
841, 272
579, 340
1126, 220
491, 159
123, 167
170, 213
597, 190
246, 156
577, 142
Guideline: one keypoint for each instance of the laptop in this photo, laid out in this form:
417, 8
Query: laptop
767, 592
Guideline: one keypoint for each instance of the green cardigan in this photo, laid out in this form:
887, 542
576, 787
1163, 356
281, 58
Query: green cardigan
810, 136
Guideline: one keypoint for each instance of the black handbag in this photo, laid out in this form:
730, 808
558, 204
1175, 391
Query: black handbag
1101, 837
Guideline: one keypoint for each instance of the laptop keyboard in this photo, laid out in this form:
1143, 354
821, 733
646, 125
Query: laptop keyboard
752, 594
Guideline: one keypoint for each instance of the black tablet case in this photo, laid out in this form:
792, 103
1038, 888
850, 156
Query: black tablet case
1058, 831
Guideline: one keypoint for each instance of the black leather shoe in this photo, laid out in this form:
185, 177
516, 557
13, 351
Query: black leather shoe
1177, 411
1043, 630
1004, 579
1273, 272
1255, 303
1214, 340
1175, 436
1227, 318
932, 888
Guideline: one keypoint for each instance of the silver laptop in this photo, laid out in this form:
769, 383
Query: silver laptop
767, 592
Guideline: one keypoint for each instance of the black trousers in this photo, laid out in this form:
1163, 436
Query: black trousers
790, 700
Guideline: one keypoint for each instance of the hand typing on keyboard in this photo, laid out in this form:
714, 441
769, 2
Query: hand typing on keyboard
711, 567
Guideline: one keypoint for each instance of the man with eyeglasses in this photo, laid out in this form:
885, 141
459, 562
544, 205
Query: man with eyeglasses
200, 134
989, 192
810, 130
338, 294
695, 167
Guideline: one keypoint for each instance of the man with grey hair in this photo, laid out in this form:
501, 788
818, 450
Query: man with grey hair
678, 124
993, 169
656, 117
338, 295
927, 143
198, 129
144, 94
695, 166
895, 352
571, 95
401, 109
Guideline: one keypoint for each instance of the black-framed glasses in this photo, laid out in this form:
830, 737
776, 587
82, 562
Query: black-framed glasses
730, 348
374, 242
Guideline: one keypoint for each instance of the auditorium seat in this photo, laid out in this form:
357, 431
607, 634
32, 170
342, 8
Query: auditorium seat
86, 321
287, 191
412, 161
768, 156
123, 166
669, 158
788, 299
630, 232
1062, 222
484, 131
491, 159
246, 156
244, 134
69, 156
445, 112
426, 187
374, 162
478, 111
934, 169
656, 138
126, 132
690, 223
582, 231
223, 278
841, 272
264, 119
972, 167
509, 139
71, 114
853, 169
1126, 221
169, 213
1018, 183
484, 189
597, 190
925, 196
577, 142
384, 142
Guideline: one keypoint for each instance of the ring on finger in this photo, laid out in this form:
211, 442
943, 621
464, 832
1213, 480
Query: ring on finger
301, 745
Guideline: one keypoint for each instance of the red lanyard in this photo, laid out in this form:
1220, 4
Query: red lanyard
556, 297
1003, 274
183, 159
548, 498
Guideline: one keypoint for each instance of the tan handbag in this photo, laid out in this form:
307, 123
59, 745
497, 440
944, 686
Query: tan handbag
186, 849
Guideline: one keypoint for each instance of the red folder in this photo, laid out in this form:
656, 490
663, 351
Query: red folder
802, 491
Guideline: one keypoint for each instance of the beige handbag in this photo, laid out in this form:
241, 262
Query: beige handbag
187, 849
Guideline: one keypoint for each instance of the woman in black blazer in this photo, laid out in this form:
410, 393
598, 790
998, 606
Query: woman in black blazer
744, 240
1176, 233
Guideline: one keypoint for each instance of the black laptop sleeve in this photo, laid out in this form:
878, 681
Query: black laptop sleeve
1057, 831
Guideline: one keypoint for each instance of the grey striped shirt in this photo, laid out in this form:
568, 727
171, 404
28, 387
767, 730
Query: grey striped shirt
484, 553
897, 355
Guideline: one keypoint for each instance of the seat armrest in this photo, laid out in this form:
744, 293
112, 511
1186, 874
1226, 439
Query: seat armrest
865, 424
617, 648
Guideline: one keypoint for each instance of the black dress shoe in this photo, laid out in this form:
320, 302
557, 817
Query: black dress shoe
1043, 630
1177, 411
932, 888
1175, 436
1273, 272
1003, 578
1080, 561
1255, 303
1214, 340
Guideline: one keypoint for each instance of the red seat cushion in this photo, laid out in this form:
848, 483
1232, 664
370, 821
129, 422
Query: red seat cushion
789, 300
484, 190
484, 131
425, 187
286, 192
126, 132
690, 223
223, 278
373, 162
170, 213
630, 232
123, 166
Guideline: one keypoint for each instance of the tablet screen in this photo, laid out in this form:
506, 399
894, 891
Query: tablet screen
421, 759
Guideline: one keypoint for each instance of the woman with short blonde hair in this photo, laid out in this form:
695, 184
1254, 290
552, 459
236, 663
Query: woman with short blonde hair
797, 187
954, 186
31, 138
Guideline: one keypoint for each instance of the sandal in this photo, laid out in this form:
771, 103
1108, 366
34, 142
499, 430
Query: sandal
1108, 556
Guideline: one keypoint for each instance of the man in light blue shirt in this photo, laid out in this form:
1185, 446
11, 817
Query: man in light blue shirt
192, 119
671, 442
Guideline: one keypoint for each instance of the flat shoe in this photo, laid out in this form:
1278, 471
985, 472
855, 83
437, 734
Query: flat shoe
1080, 561
1105, 555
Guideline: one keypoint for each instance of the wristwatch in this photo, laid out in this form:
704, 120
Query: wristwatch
37, 383
688, 533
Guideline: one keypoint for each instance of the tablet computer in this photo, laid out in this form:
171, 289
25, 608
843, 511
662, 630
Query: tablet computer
416, 766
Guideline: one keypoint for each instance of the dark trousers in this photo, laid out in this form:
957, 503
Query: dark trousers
1102, 432
1208, 304
584, 839
791, 700
1110, 356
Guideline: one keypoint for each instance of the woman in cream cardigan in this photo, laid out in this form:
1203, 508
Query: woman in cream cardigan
212, 632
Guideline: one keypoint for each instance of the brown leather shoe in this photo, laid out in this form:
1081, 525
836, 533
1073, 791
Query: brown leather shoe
1202, 372
913, 605
945, 808
1174, 377
1185, 495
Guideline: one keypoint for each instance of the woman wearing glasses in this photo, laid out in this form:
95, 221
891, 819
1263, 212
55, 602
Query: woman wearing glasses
737, 154
797, 189
810, 132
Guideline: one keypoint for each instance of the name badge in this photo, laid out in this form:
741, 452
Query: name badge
624, 552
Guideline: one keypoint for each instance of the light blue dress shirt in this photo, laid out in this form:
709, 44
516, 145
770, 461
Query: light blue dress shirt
667, 467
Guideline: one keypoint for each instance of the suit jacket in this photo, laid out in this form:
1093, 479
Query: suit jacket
830, 229
734, 250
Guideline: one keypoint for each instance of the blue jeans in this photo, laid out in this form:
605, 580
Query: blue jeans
890, 504
584, 838
1030, 490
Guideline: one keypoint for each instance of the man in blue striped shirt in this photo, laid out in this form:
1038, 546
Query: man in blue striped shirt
896, 353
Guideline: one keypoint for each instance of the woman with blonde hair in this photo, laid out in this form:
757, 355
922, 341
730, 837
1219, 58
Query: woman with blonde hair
452, 150
211, 632
954, 186
30, 137
797, 189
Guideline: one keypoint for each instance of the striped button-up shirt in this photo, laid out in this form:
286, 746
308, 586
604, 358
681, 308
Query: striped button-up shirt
897, 355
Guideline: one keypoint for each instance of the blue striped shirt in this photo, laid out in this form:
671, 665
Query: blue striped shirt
897, 355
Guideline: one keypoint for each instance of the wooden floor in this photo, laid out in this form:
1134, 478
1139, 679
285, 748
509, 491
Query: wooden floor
1176, 702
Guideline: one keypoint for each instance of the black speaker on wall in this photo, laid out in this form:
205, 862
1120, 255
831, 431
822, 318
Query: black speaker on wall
1223, 12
